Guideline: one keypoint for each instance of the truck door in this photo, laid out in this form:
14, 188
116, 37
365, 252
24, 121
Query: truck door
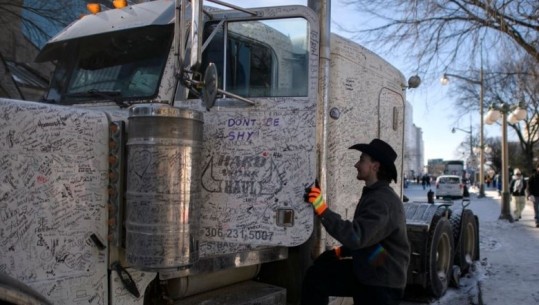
391, 122
259, 157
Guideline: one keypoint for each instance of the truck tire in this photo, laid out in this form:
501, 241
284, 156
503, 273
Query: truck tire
467, 241
454, 220
440, 256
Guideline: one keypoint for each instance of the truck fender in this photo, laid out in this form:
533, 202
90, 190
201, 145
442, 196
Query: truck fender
15, 292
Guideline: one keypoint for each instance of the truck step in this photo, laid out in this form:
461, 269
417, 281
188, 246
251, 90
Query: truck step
245, 293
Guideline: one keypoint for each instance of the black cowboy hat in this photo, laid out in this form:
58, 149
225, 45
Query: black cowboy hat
381, 152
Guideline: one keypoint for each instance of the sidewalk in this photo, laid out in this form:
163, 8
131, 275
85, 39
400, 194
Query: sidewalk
508, 271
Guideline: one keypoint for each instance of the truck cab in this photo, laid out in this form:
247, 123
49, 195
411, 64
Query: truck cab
170, 155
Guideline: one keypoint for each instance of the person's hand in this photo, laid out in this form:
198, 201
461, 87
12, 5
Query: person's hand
314, 196
329, 255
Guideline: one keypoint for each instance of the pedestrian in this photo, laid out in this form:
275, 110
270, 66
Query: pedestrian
518, 192
375, 239
499, 184
405, 181
533, 193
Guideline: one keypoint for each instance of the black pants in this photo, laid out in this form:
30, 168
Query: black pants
336, 278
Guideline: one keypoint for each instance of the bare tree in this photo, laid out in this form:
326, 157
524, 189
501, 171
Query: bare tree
513, 83
39, 19
26, 26
447, 33
522, 88
494, 157
464, 37
516, 157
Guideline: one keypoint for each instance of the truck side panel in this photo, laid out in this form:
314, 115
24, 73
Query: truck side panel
53, 198
366, 102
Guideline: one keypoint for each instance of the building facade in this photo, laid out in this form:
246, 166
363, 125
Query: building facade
413, 145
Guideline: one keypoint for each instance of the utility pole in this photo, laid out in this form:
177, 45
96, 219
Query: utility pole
471, 163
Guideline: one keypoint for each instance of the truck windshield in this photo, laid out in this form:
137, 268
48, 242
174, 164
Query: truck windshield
267, 58
124, 65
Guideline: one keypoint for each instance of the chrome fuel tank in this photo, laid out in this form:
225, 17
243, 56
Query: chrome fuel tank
163, 186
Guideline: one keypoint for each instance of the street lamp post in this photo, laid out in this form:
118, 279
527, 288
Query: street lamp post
481, 140
516, 113
444, 81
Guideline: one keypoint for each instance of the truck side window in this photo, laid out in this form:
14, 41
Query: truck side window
267, 58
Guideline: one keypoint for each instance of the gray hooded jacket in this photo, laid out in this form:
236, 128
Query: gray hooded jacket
376, 238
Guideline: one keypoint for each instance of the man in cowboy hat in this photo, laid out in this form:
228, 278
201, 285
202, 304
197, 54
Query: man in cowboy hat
375, 238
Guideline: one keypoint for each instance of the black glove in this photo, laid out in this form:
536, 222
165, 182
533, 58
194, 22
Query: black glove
327, 256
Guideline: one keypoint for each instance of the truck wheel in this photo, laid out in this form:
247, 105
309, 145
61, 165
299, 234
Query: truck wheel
440, 256
467, 243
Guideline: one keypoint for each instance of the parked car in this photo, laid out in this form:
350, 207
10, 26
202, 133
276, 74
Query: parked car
450, 186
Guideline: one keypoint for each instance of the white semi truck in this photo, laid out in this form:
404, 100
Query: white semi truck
167, 162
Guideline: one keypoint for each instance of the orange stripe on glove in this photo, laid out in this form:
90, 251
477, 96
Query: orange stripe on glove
338, 252
314, 196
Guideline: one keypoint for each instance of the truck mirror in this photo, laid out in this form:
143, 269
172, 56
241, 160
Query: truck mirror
209, 92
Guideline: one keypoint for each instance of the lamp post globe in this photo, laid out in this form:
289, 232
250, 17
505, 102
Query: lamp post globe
512, 117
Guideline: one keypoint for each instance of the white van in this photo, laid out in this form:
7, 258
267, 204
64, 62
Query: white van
449, 186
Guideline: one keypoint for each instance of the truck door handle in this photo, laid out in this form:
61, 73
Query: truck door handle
97, 241
126, 279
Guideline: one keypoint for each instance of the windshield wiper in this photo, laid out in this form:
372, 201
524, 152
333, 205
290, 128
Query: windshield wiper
114, 96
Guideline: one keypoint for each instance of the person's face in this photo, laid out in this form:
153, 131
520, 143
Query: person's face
366, 168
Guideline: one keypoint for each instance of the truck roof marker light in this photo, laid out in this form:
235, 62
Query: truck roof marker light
93, 8
119, 3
